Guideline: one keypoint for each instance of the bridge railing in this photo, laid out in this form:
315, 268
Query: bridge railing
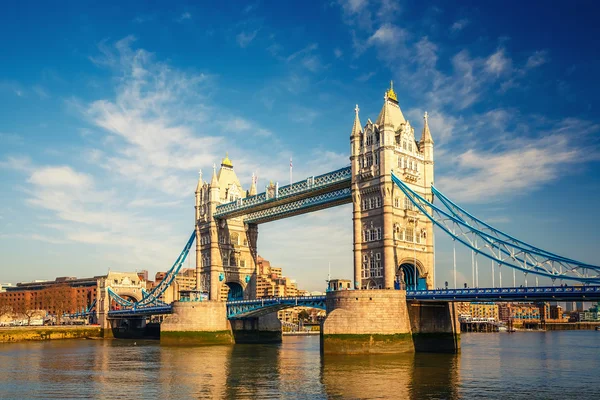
506, 291
274, 300
311, 183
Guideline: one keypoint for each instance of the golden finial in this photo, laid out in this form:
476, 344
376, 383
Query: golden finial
390, 93
226, 161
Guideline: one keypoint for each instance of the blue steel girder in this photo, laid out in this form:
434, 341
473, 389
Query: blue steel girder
501, 249
308, 188
140, 312
302, 206
524, 294
259, 307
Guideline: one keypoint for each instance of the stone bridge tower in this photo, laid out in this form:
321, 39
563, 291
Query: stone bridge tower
393, 241
225, 249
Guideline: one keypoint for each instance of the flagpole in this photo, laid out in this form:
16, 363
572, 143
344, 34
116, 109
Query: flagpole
291, 170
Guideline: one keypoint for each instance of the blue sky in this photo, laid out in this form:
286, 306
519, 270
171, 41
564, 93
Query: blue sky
108, 110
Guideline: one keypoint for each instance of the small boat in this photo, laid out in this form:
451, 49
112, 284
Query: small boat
598, 328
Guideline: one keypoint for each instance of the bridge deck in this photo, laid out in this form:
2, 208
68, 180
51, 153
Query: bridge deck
546, 293
323, 191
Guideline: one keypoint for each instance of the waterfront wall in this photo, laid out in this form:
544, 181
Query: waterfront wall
26, 333
197, 323
571, 326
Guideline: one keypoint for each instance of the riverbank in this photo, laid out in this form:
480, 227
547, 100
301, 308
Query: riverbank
572, 326
34, 333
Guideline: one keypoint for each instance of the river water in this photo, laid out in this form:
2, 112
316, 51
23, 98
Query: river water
522, 365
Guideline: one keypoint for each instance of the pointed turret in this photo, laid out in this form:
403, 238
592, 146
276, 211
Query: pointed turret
390, 114
426, 135
199, 186
357, 127
214, 182
252, 191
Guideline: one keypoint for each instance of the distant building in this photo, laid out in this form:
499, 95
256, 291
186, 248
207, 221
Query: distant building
519, 314
477, 311
271, 282
184, 280
340, 284
64, 294
3, 287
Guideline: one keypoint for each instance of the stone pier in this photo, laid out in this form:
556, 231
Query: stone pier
264, 329
197, 323
205, 322
381, 321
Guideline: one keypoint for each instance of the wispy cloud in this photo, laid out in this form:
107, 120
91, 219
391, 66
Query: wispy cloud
516, 165
459, 25
536, 59
245, 38
184, 17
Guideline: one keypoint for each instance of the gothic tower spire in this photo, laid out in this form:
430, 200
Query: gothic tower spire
426, 135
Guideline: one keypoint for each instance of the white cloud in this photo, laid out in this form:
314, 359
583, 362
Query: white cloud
536, 59
498, 63
245, 38
21, 163
184, 17
353, 6
459, 25
337, 53
516, 165
59, 177
387, 34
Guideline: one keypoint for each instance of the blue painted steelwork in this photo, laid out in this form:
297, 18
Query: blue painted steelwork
141, 312
495, 246
547, 293
151, 297
325, 200
84, 313
256, 308
469, 219
330, 180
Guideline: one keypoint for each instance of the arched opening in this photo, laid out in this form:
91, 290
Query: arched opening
408, 277
236, 291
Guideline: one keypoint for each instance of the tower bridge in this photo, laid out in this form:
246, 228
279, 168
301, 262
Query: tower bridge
390, 185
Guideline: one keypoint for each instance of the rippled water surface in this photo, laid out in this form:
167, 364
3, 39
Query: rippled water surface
523, 365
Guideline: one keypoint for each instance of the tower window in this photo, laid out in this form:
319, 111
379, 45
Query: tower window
409, 235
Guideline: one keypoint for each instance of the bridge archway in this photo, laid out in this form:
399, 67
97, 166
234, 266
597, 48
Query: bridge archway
236, 291
410, 276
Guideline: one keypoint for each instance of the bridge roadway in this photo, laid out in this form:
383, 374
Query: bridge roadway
314, 193
255, 308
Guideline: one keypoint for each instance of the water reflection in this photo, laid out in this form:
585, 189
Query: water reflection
520, 366
406, 376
